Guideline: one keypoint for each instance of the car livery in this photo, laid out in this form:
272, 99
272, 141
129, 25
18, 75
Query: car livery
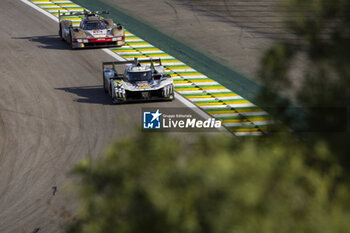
141, 81
93, 31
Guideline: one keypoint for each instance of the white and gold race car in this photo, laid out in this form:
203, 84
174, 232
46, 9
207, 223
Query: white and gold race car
141, 81
93, 30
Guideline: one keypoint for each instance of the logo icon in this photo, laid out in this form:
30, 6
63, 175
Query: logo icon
151, 120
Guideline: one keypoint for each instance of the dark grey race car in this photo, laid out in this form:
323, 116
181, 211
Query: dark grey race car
141, 81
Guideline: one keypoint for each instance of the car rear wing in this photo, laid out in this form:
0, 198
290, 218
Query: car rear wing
85, 13
135, 61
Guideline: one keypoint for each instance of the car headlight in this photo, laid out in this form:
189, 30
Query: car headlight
79, 40
86, 41
117, 38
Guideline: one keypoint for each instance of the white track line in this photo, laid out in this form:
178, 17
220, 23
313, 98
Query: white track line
188, 76
146, 45
241, 114
234, 97
250, 122
201, 84
167, 70
248, 133
228, 106
206, 91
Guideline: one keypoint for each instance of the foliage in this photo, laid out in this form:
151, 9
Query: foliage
322, 28
320, 52
215, 185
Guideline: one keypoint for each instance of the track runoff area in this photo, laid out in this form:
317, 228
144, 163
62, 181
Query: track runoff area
238, 115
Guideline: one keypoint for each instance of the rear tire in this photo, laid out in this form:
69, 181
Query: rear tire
110, 91
104, 85
65, 24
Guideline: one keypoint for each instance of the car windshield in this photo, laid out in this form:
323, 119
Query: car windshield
139, 76
94, 25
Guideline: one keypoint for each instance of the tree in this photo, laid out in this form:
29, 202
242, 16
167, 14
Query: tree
215, 185
322, 91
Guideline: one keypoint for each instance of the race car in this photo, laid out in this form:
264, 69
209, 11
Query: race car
93, 30
141, 81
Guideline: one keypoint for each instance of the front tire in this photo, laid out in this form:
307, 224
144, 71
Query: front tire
60, 33
71, 40
173, 97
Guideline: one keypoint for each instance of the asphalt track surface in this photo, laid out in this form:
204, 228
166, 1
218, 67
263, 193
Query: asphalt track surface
234, 33
53, 113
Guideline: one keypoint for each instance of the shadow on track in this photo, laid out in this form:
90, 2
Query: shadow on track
52, 42
89, 94
46, 42
96, 95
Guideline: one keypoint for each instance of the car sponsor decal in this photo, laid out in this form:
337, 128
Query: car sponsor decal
142, 85
238, 115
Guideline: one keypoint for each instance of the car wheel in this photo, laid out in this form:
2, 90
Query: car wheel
71, 40
60, 33
172, 97
104, 85
111, 92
